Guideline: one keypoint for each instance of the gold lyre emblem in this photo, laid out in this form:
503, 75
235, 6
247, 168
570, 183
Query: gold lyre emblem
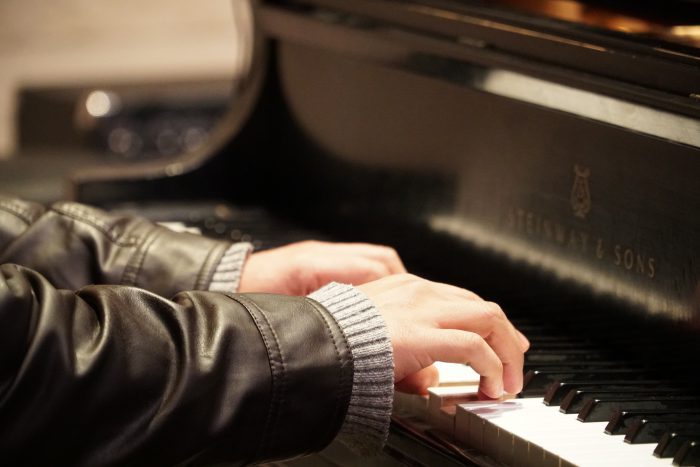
580, 193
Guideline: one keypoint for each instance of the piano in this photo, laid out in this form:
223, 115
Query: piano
543, 153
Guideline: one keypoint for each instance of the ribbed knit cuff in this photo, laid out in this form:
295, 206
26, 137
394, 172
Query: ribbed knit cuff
227, 275
367, 421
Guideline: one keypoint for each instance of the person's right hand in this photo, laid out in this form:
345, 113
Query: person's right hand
429, 322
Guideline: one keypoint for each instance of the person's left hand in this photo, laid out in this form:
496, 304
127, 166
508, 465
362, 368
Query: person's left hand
301, 268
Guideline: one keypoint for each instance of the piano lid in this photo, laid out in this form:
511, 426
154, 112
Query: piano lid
675, 22
657, 54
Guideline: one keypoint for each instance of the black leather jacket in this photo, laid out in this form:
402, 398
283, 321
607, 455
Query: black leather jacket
118, 374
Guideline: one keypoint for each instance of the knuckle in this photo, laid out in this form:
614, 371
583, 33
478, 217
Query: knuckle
492, 311
379, 270
390, 252
472, 296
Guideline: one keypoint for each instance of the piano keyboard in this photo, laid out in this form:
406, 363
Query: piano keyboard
527, 432
610, 395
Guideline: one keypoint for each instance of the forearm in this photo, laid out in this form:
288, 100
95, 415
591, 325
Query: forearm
110, 374
74, 245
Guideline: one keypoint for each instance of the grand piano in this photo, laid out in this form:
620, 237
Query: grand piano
543, 153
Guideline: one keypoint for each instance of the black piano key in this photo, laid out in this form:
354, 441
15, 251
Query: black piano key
574, 401
651, 430
600, 410
545, 336
621, 420
536, 382
558, 390
564, 359
671, 442
565, 346
564, 355
688, 454
574, 366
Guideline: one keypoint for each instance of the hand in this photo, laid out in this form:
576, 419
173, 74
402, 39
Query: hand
301, 268
429, 322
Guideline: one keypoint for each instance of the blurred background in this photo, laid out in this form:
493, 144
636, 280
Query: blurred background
119, 82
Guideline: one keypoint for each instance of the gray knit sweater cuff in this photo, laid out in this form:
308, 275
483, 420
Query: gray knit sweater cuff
227, 275
367, 421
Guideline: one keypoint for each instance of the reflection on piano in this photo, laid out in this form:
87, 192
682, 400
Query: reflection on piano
545, 154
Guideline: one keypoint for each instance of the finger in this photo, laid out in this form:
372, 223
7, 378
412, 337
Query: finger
488, 321
354, 270
455, 346
418, 383
384, 254
512, 366
323, 262
524, 341
381, 253
394, 262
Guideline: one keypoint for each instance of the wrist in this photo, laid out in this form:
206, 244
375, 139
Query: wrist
367, 421
227, 274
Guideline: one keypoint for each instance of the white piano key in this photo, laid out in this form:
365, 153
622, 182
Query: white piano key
529, 433
444, 420
470, 421
452, 374
441, 396
411, 404
441, 405
523, 432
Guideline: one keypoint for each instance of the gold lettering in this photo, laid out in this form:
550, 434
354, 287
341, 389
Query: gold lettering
599, 251
641, 264
534, 225
618, 255
629, 259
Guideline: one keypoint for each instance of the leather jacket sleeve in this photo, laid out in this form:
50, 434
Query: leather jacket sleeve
74, 245
118, 375
112, 374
